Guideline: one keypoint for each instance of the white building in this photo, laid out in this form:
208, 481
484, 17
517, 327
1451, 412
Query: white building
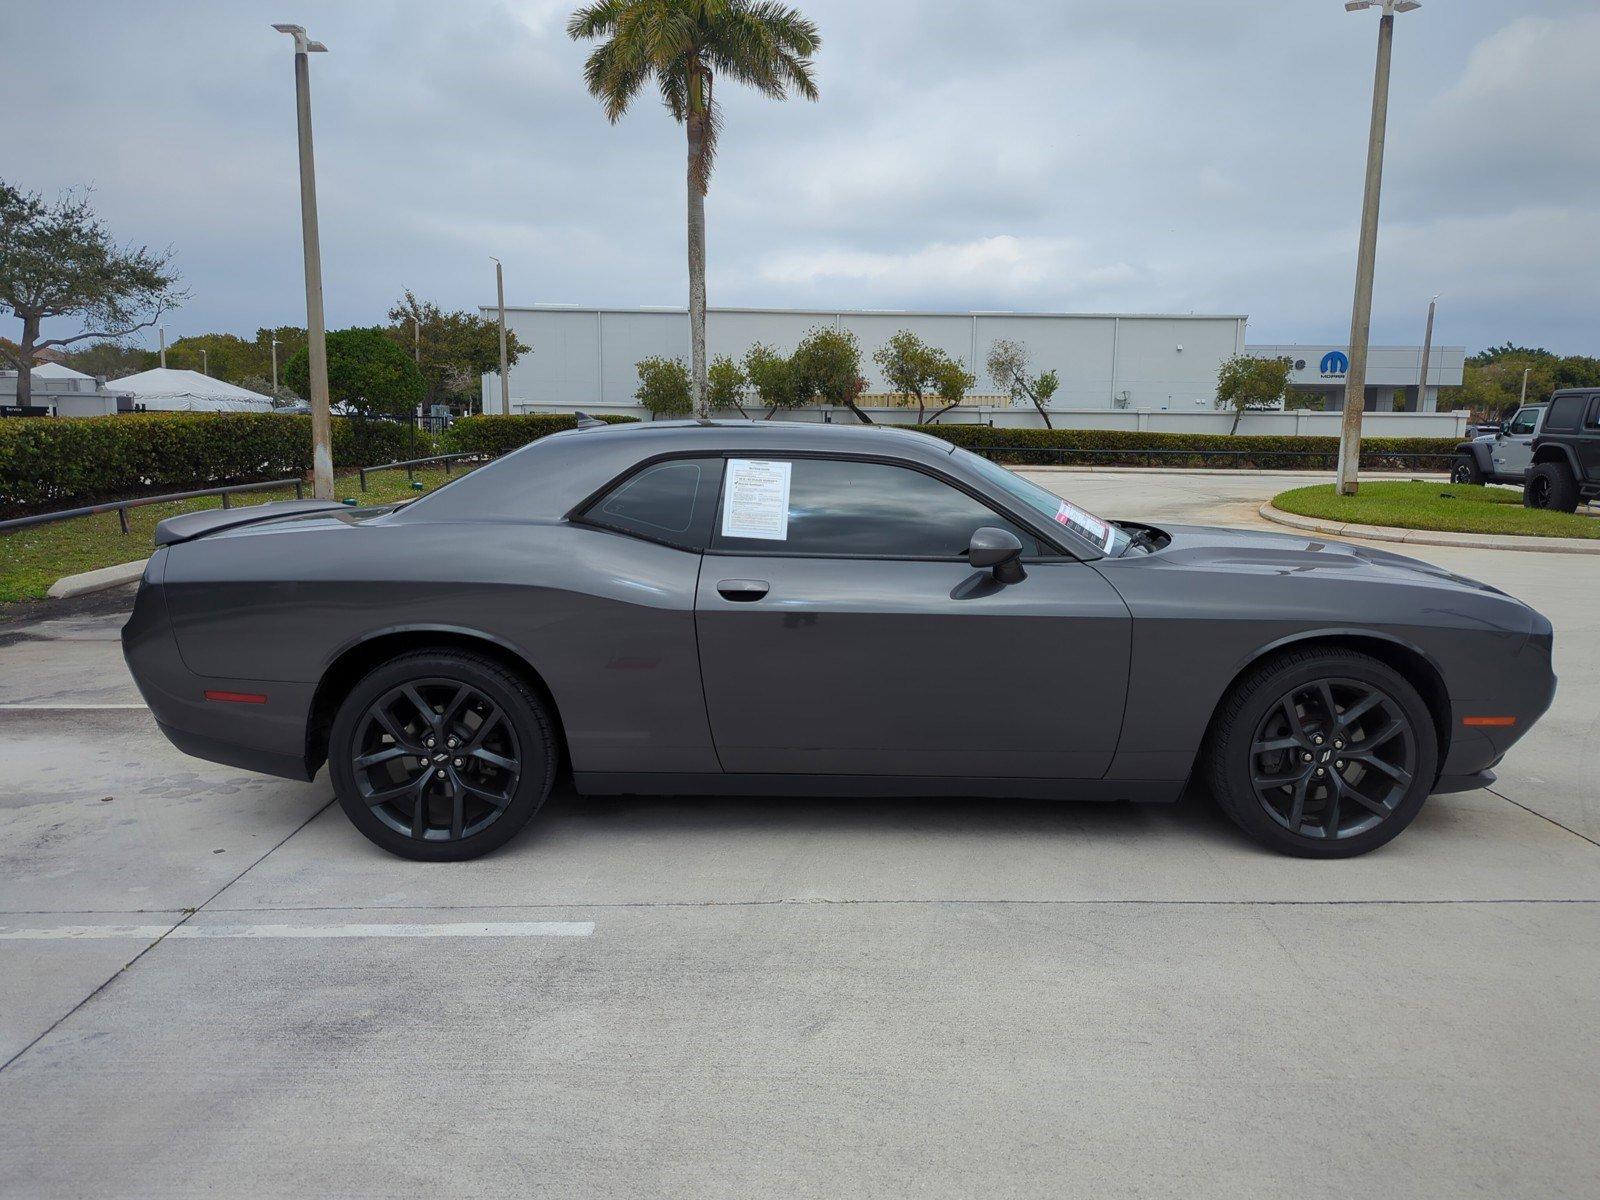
1393, 374
62, 392
1116, 370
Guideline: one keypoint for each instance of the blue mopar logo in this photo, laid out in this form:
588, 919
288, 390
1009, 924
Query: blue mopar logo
1335, 362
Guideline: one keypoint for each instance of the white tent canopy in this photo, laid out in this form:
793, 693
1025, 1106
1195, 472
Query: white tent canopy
166, 389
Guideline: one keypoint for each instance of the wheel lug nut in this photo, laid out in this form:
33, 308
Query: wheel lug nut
1318, 739
441, 773
1339, 764
1320, 771
1306, 757
456, 763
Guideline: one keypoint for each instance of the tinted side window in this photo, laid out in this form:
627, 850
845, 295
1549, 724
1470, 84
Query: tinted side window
668, 502
1593, 421
838, 507
1564, 413
1523, 422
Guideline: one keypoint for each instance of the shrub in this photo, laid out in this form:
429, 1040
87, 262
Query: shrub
664, 387
1127, 447
725, 385
51, 463
498, 434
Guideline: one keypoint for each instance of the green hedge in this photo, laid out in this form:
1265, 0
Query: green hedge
1124, 447
50, 463
499, 434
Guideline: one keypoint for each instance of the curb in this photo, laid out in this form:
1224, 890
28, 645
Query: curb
96, 581
1285, 471
1432, 537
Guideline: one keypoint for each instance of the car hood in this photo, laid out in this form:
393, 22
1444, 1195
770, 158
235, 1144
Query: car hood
1251, 551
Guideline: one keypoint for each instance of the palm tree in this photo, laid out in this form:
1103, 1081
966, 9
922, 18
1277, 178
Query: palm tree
684, 45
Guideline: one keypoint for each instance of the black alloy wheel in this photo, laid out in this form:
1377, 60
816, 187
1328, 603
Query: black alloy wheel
1324, 752
436, 760
1332, 759
441, 755
1465, 471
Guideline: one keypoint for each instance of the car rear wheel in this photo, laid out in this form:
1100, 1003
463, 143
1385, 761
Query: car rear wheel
441, 756
1322, 753
1551, 485
1465, 470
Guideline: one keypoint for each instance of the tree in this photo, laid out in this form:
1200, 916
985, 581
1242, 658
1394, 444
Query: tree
663, 387
922, 372
112, 359
772, 375
684, 45
454, 350
367, 372
57, 260
827, 367
1247, 384
1008, 367
725, 385
226, 356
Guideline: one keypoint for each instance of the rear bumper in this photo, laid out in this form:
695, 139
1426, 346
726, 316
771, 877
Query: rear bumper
269, 737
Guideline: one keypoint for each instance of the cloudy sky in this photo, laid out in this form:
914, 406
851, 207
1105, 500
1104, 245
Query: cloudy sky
1071, 155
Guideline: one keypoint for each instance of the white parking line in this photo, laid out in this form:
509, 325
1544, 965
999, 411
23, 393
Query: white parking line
453, 929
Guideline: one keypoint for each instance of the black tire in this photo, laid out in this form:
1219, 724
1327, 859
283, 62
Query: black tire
1465, 470
463, 797
1368, 806
1551, 485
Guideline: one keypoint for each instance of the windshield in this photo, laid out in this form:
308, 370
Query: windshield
1105, 536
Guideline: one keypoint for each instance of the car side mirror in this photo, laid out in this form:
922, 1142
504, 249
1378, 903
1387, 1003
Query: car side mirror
999, 551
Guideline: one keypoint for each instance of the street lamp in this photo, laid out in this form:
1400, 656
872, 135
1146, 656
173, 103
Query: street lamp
205, 365
274, 369
162, 331
1355, 387
316, 333
1427, 352
500, 293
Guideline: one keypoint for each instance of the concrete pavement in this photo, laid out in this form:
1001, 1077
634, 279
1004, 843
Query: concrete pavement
790, 998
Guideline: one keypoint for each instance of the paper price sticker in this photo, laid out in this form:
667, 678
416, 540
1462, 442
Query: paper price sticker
1085, 525
755, 500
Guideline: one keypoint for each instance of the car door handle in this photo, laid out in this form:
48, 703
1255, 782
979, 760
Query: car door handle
744, 590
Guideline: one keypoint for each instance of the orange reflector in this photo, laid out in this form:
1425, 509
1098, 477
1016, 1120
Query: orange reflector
1498, 721
237, 697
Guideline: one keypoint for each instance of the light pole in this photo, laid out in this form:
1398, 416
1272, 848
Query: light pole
1355, 387
274, 369
205, 363
500, 294
162, 330
1427, 352
316, 333
1526, 371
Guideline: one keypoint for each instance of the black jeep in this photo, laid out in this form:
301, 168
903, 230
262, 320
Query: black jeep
1566, 453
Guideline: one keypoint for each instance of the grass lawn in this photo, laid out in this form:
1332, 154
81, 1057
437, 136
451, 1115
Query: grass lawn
32, 559
1457, 507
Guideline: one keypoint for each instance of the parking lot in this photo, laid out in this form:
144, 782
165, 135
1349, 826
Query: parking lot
211, 985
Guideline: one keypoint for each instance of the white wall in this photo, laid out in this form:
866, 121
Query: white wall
1302, 423
584, 358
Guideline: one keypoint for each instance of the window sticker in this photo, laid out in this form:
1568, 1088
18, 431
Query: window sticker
755, 500
1084, 525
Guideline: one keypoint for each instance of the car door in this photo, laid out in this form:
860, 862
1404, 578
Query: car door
1588, 443
843, 632
1513, 449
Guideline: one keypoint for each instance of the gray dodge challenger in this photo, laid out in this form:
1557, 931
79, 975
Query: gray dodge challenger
774, 608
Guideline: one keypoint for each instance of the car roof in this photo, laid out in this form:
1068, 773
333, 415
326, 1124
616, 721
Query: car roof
547, 478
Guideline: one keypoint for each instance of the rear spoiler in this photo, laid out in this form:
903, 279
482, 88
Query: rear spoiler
188, 526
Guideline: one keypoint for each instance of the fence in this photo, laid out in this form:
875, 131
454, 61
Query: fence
121, 507
411, 464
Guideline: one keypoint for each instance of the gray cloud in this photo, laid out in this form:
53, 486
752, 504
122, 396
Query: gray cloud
1147, 155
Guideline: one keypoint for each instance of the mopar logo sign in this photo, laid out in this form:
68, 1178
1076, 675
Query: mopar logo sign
1335, 363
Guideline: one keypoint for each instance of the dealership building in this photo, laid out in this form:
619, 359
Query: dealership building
1116, 370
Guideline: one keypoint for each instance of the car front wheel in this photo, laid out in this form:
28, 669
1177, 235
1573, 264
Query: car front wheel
1465, 470
1322, 753
441, 756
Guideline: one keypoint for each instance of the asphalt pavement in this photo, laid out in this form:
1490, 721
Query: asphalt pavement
211, 985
